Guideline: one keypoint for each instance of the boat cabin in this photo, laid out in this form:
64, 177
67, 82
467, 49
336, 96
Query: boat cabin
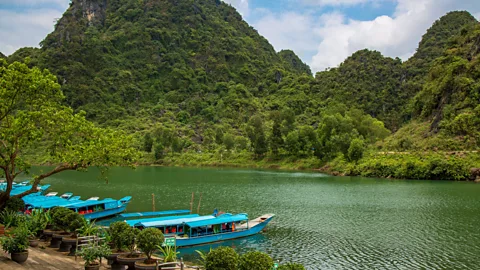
221, 224
173, 226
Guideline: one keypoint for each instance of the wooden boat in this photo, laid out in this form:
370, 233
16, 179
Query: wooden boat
90, 209
198, 230
224, 227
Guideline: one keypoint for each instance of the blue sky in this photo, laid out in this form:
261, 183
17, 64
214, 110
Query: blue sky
322, 32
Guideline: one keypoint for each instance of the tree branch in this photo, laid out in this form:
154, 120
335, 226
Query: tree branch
60, 168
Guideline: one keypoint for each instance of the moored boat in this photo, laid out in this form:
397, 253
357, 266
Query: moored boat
224, 227
92, 208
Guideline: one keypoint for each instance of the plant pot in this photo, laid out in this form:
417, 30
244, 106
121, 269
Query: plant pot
47, 234
112, 261
72, 242
64, 247
95, 266
33, 242
56, 241
130, 261
140, 265
20, 257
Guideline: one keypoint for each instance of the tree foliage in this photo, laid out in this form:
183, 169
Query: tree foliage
32, 116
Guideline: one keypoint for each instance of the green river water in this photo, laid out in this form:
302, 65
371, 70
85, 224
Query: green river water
321, 221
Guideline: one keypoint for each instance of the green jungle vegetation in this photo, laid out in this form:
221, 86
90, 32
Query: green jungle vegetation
196, 85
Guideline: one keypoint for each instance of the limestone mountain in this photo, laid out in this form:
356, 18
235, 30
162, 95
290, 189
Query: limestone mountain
295, 62
366, 80
113, 57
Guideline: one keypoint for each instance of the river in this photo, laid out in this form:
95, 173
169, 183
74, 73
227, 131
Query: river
321, 221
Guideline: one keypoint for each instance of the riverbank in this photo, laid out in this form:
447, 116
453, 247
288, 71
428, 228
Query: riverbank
456, 166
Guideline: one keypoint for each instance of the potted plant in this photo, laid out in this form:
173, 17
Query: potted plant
92, 254
83, 227
10, 218
129, 236
16, 243
76, 221
148, 242
35, 223
169, 253
119, 241
61, 219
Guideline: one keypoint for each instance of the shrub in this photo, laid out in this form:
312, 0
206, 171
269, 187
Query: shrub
169, 253
36, 222
255, 260
17, 241
291, 266
89, 228
91, 253
15, 204
119, 234
148, 240
11, 218
222, 258
61, 218
76, 221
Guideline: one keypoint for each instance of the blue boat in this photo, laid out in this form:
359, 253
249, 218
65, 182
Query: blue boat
92, 208
172, 226
152, 214
139, 222
20, 188
224, 227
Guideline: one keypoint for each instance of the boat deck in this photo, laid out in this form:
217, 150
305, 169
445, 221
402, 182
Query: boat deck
254, 222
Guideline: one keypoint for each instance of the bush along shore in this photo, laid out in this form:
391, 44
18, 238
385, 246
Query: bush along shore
120, 244
428, 165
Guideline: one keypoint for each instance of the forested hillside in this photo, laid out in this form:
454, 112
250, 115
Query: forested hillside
197, 85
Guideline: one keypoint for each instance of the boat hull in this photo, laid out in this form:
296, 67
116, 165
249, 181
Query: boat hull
106, 213
186, 242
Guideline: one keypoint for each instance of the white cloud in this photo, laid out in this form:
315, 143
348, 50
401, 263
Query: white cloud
338, 2
241, 6
477, 15
288, 31
25, 29
32, 3
394, 36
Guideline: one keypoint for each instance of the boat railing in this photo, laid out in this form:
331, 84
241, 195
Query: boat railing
209, 233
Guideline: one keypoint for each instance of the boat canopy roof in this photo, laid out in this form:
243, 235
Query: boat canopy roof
177, 221
151, 214
219, 220
87, 203
142, 220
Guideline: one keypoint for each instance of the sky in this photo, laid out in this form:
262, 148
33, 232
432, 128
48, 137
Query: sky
323, 33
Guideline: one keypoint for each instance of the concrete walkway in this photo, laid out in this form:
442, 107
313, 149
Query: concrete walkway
43, 257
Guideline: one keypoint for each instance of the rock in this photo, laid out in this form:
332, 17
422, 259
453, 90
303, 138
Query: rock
477, 180
475, 174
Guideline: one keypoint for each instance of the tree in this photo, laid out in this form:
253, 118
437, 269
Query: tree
256, 135
229, 141
32, 117
148, 143
159, 151
276, 139
355, 151
292, 143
